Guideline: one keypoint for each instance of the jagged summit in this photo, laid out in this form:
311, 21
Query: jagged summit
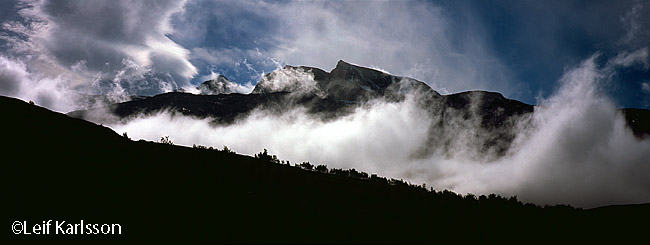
342, 63
346, 82
342, 67
368, 79
219, 85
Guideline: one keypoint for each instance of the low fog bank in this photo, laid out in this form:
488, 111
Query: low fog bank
575, 149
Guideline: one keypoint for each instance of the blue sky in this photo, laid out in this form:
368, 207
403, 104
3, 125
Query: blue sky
518, 48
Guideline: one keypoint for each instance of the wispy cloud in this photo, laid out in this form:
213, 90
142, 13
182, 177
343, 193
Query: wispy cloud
632, 24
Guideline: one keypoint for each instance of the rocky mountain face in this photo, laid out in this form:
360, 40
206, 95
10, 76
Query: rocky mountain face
478, 119
346, 82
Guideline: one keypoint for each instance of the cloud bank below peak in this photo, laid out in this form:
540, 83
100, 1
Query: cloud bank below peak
574, 149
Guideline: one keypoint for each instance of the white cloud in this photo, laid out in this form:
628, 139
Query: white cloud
289, 79
11, 75
17, 81
86, 42
580, 150
625, 59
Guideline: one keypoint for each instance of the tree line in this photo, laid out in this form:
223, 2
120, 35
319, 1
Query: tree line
491, 199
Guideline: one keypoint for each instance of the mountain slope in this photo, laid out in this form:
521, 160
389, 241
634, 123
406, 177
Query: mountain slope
66, 169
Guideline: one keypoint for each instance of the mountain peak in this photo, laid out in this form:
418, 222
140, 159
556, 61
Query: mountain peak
346, 82
346, 67
342, 63
219, 77
219, 85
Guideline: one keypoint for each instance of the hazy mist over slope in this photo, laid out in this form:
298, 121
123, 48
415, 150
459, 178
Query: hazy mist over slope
574, 149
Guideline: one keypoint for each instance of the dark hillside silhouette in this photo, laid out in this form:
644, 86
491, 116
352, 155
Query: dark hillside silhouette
62, 168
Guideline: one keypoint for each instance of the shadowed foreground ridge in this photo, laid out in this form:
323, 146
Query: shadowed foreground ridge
62, 168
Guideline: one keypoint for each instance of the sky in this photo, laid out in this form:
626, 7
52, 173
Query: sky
51, 51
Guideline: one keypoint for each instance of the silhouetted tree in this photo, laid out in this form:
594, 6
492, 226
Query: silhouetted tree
482, 198
321, 168
378, 179
166, 140
470, 196
227, 150
306, 165
264, 156
274, 159
341, 172
199, 146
